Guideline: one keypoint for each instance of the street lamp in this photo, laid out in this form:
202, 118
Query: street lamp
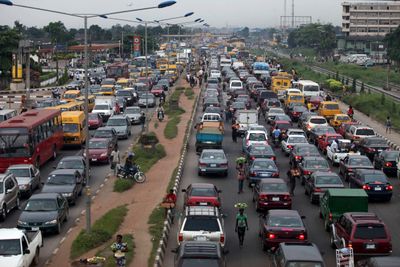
85, 17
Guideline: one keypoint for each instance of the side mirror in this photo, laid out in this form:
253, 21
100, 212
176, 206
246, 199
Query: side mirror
27, 251
183, 190
303, 217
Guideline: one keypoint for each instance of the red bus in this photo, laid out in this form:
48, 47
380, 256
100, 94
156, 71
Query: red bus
32, 137
117, 70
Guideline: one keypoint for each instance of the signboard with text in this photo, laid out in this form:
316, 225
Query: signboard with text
136, 45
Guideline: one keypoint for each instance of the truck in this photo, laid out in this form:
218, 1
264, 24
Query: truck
19, 248
246, 118
208, 137
335, 202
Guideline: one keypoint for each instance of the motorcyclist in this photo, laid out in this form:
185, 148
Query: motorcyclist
276, 133
160, 112
130, 166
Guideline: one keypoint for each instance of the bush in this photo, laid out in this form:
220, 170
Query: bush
147, 157
334, 85
171, 129
102, 230
189, 93
47, 76
121, 185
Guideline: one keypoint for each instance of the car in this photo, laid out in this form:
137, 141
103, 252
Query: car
244, 98
202, 194
349, 164
211, 102
133, 114
282, 125
380, 261
9, 194
271, 193
27, 176
95, 121
259, 169
200, 253
280, 226
212, 161
318, 182
339, 119
314, 101
310, 164
371, 146
358, 132
121, 102
236, 106
218, 110
100, 149
296, 112
157, 90
281, 117
68, 183
304, 118
326, 140
302, 150
344, 127
74, 85
259, 151
257, 127
45, 212
314, 121
272, 112
297, 254
147, 99
202, 222
318, 132
295, 131
290, 106
290, 141
386, 161
365, 231
74, 163
128, 95
107, 132
344, 149
254, 137
121, 124
374, 182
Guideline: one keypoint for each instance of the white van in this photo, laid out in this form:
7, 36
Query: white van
225, 62
6, 114
238, 65
309, 88
235, 85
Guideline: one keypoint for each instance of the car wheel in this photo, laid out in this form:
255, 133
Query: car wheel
327, 225
58, 228
263, 246
199, 173
312, 201
4, 213
225, 173
17, 203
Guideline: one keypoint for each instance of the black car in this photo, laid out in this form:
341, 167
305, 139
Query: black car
259, 151
44, 211
318, 131
107, 132
271, 103
370, 146
127, 95
210, 102
381, 261
297, 254
199, 253
374, 182
289, 108
74, 163
349, 164
387, 162
300, 151
310, 164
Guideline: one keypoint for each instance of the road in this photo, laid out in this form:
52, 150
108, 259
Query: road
251, 254
98, 174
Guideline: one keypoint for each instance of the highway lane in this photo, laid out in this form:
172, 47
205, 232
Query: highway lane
251, 254
98, 174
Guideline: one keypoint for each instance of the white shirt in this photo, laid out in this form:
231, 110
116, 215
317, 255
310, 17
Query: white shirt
115, 156
334, 146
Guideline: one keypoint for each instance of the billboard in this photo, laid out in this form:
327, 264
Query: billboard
136, 45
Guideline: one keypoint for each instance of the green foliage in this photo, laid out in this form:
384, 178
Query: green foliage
9, 39
382, 99
147, 157
189, 93
337, 75
121, 185
107, 253
102, 231
156, 224
171, 129
393, 43
354, 85
64, 78
58, 33
362, 90
47, 76
334, 85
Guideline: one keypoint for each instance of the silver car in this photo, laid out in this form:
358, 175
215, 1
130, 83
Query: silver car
213, 161
292, 140
121, 125
273, 112
9, 194
133, 113
28, 177
147, 99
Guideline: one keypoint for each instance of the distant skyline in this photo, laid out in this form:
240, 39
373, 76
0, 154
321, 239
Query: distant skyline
217, 13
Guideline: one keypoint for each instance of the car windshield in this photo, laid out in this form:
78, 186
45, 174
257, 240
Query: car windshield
20, 172
296, 97
203, 192
201, 262
359, 162
299, 108
260, 149
311, 88
328, 180
377, 142
284, 221
123, 93
236, 84
331, 106
132, 111
70, 164
316, 164
276, 111
264, 165
70, 128
97, 144
375, 178
319, 130
60, 179
101, 107
93, 116
117, 122
274, 187
70, 96
103, 133
41, 205
304, 264
212, 155
391, 155
283, 117
318, 120
370, 231
10, 247
199, 223
365, 131
257, 137
239, 105
296, 139
307, 150
342, 118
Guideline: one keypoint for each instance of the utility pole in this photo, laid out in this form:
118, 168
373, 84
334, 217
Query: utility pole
122, 45
292, 14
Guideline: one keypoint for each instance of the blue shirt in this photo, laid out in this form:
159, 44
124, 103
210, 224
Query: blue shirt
277, 132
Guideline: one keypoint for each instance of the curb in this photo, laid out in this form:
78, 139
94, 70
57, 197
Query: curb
161, 250
10, 92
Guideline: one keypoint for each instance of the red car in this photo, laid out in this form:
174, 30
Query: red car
364, 232
271, 193
282, 226
282, 125
95, 121
202, 194
326, 140
345, 126
157, 90
100, 150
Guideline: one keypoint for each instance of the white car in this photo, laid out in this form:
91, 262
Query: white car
215, 74
202, 223
315, 121
294, 131
254, 137
343, 151
272, 112
292, 140
257, 127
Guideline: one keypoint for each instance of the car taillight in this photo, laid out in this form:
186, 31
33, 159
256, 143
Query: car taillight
252, 174
308, 127
350, 170
263, 197
252, 158
370, 149
295, 113
223, 165
389, 187
302, 237
271, 236
317, 189
286, 197
356, 137
298, 157
275, 174
350, 244
330, 216
180, 237
366, 187
203, 164
247, 142
388, 164
320, 136
289, 146
273, 158
222, 238
306, 172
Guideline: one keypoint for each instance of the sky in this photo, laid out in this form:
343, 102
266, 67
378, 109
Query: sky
217, 13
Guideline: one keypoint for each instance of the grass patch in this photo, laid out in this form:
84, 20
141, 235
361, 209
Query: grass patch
171, 129
147, 157
172, 180
108, 254
47, 75
189, 93
156, 222
121, 185
102, 231
156, 125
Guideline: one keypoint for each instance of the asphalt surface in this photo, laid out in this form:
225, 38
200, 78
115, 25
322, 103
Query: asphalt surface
251, 253
98, 174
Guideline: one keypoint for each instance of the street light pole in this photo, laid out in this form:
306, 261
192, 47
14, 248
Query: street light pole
147, 75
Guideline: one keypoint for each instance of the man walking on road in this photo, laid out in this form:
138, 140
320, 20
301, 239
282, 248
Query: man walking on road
240, 176
143, 120
115, 160
292, 175
235, 127
241, 225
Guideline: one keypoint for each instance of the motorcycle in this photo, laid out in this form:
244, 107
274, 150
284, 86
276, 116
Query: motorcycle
138, 176
276, 141
55, 93
160, 115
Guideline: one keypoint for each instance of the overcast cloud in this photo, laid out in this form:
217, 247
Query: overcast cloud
217, 13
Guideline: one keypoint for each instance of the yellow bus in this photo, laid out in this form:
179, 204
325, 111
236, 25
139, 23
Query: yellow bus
74, 123
71, 106
280, 83
71, 95
91, 100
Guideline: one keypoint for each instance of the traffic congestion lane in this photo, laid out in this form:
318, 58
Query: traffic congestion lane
98, 174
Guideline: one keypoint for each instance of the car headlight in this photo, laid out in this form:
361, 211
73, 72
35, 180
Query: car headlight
23, 186
51, 222
21, 222
67, 194
103, 155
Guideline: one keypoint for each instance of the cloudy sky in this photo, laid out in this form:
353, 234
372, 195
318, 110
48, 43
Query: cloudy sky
219, 13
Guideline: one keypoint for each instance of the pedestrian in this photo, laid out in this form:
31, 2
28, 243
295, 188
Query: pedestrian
143, 120
328, 97
188, 77
292, 175
388, 125
119, 249
115, 160
350, 112
240, 176
235, 127
241, 225
205, 76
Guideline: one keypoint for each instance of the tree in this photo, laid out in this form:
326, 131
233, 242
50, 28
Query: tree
393, 45
57, 32
9, 39
245, 32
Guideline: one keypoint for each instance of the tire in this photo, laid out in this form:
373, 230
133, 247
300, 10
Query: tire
312, 201
4, 213
58, 229
199, 173
263, 246
35, 261
225, 174
140, 177
17, 203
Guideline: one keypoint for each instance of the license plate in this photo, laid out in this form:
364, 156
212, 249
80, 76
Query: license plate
213, 165
203, 203
94, 159
200, 238
275, 199
378, 188
203, 170
35, 228
264, 174
370, 246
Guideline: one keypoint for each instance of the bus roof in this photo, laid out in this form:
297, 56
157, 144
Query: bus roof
307, 82
30, 119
